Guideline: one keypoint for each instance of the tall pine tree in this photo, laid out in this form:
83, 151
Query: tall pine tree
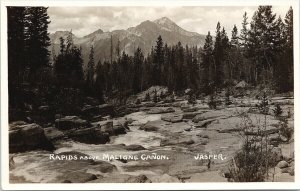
207, 64
37, 40
16, 22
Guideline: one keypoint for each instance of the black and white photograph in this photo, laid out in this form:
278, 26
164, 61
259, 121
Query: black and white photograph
149, 94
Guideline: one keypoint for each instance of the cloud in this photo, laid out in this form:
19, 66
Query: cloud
85, 20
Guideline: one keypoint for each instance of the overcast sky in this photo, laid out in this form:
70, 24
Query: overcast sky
85, 20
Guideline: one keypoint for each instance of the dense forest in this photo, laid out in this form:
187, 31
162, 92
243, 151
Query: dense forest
260, 53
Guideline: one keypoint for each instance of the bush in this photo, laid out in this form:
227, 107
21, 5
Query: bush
212, 104
263, 106
289, 114
147, 97
285, 130
253, 161
138, 101
227, 98
155, 98
192, 99
277, 110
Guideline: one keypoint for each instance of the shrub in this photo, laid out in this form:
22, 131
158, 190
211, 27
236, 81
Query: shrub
255, 158
192, 99
138, 101
277, 110
212, 104
289, 114
147, 97
227, 98
285, 130
263, 106
155, 98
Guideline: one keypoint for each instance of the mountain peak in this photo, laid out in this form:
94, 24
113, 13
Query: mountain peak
99, 31
164, 21
167, 24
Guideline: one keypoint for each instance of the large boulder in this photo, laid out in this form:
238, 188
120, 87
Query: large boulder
172, 118
149, 127
53, 133
27, 137
111, 129
277, 154
89, 111
70, 122
189, 115
92, 135
283, 164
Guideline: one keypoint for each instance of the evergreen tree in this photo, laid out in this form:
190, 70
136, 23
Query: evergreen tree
226, 67
100, 81
180, 75
37, 39
90, 69
218, 58
137, 70
234, 37
68, 64
207, 63
76, 63
289, 49
158, 61
262, 43
244, 31
235, 64
16, 44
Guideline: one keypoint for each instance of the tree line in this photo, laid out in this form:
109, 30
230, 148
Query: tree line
28, 41
261, 52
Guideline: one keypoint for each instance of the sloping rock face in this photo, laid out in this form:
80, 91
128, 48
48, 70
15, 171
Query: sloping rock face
172, 118
27, 137
88, 111
70, 122
89, 136
158, 110
111, 129
149, 127
98, 134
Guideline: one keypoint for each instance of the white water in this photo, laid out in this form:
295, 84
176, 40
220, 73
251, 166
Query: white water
33, 166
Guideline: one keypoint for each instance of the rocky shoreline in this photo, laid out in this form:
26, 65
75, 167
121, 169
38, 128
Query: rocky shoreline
177, 130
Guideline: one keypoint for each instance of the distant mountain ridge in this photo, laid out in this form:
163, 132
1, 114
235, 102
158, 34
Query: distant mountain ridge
143, 35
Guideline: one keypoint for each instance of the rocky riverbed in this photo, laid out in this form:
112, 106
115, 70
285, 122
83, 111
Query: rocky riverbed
151, 142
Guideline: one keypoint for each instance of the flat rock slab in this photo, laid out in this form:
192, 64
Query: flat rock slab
180, 141
153, 125
160, 110
173, 118
204, 123
190, 115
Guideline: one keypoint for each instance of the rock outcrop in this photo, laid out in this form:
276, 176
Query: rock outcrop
27, 137
71, 122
